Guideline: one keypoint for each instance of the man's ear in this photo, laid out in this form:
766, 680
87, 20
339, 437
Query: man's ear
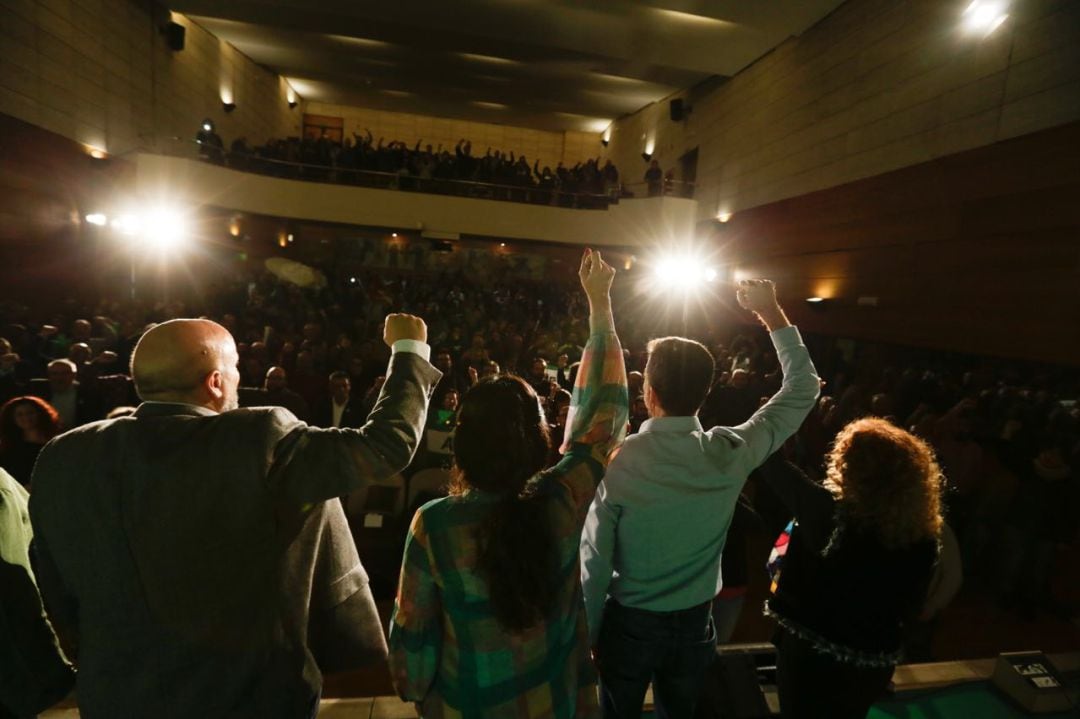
215, 385
650, 398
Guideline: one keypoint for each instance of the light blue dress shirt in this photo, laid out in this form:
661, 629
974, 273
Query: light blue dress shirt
657, 526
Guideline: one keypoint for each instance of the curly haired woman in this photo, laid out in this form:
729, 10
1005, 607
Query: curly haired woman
26, 425
857, 567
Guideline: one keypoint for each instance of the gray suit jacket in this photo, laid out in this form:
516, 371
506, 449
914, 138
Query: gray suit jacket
167, 548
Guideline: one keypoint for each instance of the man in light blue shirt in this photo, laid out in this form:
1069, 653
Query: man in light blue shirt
650, 550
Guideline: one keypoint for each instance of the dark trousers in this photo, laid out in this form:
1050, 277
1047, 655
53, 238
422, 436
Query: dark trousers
812, 685
673, 650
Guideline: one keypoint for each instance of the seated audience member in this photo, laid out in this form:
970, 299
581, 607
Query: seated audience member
13, 371
489, 369
537, 377
451, 380
210, 578
278, 394
26, 425
33, 672
443, 418
667, 503
488, 619
340, 409
75, 403
858, 566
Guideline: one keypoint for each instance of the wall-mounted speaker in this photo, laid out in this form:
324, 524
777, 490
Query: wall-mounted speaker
174, 35
678, 110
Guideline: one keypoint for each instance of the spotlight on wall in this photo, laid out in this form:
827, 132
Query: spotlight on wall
723, 216
228, 106
97, 218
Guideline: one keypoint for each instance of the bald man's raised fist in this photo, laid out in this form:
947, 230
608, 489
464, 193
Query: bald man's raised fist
404, 327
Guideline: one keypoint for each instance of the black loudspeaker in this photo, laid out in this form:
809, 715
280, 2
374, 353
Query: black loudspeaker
677, 110
174, 35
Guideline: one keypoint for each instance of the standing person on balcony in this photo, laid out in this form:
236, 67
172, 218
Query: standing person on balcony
654, 178
489, 620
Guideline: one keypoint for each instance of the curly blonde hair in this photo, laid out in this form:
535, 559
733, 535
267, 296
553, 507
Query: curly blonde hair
886, 481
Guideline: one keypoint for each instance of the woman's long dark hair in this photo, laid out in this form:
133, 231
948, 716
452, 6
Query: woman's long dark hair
48, 421
501, 442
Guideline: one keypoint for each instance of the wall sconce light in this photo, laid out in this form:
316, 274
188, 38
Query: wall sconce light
605, 138
228, 106
293, 104
647, 149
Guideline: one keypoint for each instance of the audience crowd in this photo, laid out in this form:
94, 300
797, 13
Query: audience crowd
362, 160
1006, 434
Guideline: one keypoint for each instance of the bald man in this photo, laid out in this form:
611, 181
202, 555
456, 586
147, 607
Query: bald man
187, 549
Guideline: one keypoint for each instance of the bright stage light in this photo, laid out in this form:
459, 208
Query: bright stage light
982, 17
128, 224
97, 218
165, 227
683, 272
161, 228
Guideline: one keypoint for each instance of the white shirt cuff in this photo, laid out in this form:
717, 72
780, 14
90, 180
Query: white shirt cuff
415, 346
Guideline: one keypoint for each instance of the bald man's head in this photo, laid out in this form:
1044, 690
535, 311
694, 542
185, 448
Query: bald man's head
192, 361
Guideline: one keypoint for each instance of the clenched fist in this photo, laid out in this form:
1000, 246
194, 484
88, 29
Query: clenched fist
756, 295
759, 296
403, 327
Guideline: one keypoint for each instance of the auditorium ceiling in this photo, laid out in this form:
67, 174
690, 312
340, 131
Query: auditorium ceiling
545, 64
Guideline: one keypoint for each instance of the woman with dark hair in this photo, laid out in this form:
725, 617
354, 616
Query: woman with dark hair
489, 619
858, 567
26, 425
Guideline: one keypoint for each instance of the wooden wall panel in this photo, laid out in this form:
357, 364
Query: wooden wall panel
976, 252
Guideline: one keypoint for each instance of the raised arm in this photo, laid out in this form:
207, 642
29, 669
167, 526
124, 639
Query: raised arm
313, 464
599, 408
596, 423
781, 416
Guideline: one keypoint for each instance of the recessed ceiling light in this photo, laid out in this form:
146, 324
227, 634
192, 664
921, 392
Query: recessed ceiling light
620, 79
361, 41
691, 18
487, 58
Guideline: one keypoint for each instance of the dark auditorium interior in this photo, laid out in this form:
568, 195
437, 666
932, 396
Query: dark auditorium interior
907, 173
